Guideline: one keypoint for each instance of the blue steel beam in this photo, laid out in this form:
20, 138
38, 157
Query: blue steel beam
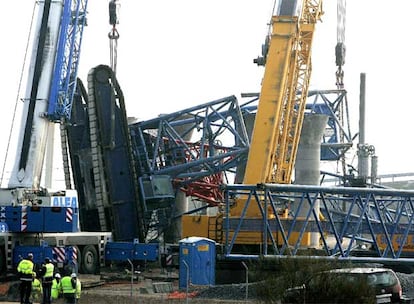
193, 143
211, 138
381, 219
161, 149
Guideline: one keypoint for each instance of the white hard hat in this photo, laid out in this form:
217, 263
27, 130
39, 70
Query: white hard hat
57, 275
73, 275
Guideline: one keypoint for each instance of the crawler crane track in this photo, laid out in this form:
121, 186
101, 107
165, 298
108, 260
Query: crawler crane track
97, 160
110, 141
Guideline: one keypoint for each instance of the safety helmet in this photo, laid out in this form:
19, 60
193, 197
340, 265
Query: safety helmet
57, 275
73, 275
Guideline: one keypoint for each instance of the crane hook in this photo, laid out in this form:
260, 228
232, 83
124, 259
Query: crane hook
113, 34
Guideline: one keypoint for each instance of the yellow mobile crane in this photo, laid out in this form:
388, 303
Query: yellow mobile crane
281, 108
280, 112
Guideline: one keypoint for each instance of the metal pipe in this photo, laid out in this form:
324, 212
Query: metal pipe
310, 188
132, 276
307, 166
362, 109
187, 281
247, 280
363, 148
389, 261
374, 169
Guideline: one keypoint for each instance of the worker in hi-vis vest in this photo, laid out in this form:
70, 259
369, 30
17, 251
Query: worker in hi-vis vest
37, 289
56, 288
25, 270
47, 277
71, 288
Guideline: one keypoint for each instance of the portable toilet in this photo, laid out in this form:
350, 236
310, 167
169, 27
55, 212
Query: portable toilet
197, 261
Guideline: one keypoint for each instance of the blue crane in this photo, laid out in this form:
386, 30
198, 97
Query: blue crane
50, 86
67, 60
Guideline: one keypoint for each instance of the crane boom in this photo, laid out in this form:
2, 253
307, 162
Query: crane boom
50, 85
283, 94
277, 126
67, 59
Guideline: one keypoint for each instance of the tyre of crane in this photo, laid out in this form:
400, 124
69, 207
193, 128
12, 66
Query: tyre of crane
89, 260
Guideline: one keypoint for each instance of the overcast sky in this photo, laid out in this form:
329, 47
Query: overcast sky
176, 54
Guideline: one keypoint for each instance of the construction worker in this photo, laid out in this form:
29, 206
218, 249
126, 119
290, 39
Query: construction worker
37, 289
47, 278
55, 293
78, 288
71, 288
26, 273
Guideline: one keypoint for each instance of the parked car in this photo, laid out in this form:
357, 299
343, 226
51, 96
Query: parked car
348, 285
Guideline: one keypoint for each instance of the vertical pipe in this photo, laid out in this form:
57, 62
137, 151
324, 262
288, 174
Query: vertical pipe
307, 166
363, 149
362, 109
187, 281
374, 169
132, 277
247, 281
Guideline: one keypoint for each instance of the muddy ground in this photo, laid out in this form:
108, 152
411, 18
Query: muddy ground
158, 287
154, 287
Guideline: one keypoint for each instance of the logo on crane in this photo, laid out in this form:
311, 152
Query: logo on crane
64, 201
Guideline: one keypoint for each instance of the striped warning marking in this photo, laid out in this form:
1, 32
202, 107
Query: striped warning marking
23, 224
69, 215
75, 254
59, 252
169, 260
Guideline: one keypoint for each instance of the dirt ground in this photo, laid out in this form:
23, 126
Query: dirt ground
153, 287
121, 294
144, 289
